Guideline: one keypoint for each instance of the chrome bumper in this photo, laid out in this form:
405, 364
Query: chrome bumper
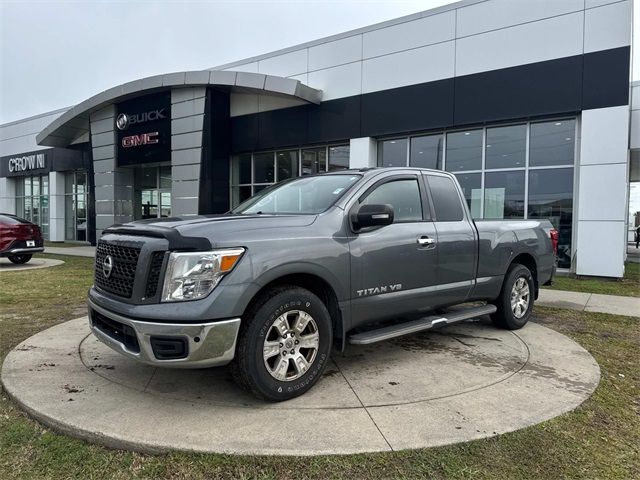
209, 344
17, 251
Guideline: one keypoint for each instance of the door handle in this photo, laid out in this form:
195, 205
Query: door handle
424, 240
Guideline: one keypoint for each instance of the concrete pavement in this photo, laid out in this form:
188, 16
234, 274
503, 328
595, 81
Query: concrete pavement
7, 266
590, 302
460, 383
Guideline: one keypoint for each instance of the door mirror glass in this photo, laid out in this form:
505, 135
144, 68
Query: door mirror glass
373, 215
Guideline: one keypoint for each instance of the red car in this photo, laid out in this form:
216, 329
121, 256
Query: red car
19, 238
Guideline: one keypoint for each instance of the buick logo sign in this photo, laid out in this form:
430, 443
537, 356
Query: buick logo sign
122, 122
107, 266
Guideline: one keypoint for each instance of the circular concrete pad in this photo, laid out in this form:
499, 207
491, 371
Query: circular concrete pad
7, 266
464, 382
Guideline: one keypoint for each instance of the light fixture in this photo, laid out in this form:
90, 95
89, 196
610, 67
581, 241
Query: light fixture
488, 146
568, 138
557, 124
467, 133
392, 141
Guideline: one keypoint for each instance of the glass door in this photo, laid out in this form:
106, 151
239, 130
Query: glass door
153, 192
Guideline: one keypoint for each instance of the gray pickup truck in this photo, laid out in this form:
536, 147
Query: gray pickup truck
357, 256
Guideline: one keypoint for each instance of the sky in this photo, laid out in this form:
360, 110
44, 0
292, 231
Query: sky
55, 54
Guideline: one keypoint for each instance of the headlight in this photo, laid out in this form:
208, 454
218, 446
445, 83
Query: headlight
193, 275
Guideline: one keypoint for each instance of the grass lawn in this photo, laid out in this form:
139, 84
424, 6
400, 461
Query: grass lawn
601, 439
629, 286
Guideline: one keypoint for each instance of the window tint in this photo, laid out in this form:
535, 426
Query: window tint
551, 197
446, 200
338, 158
506, 147
392, 153
464, 151
426, 152
402, 195
504, 195
552, 143
471, 184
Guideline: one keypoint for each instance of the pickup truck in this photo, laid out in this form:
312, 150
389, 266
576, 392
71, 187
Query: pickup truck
357, 256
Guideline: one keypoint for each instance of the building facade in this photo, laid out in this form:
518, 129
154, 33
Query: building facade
527, 102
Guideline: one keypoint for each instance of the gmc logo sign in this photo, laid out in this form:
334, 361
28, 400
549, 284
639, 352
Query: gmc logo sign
138, 140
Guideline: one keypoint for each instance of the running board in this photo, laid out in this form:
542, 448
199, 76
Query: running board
392, 331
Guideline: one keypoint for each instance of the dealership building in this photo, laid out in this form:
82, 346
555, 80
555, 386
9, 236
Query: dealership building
528, 103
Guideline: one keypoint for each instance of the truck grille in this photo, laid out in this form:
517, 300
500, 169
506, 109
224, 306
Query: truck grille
154, 274
124, 260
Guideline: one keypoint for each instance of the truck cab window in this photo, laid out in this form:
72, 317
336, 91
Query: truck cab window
402, 195
446, 200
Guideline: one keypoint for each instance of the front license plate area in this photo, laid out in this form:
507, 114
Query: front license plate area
31, 243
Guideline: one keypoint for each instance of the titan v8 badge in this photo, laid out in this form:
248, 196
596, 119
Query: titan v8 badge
378, 290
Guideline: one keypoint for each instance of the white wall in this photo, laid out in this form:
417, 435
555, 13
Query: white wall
20, 136
454, 40
603, 188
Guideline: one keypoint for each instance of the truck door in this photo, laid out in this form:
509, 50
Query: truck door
393, 266
457, 240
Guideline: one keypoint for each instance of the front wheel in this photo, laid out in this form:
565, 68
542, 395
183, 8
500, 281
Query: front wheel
20, 259
516, 299
284, 345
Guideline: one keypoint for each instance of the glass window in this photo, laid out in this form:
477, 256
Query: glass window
392, 153
471, 184
338, 158
402, 195
27, 187
240, 194
551, 197
306, 195
504, 195
552, 143
241, 169
464, 151
165, 177
263, 168
426, 152
314, 160
446, 201
287, 164
506, 147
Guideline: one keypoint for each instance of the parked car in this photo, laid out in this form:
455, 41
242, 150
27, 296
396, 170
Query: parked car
357, 256
19, 238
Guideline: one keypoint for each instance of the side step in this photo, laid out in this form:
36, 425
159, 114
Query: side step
392, 331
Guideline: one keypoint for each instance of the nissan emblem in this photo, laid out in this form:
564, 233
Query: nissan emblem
107, 266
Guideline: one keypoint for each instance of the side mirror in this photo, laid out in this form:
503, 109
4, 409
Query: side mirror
373, 216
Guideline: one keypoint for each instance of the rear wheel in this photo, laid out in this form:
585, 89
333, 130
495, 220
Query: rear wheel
516, 298
20, 259
284, 344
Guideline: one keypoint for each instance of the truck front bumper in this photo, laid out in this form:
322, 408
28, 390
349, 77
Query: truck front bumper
177, 345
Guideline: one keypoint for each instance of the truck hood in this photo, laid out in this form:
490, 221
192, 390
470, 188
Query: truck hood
211, 227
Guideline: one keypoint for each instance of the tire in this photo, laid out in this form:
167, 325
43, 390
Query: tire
20, 259
264, 364
518, 281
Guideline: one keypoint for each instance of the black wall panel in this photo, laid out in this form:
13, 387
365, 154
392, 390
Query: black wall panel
214, 166
555, 87
416, 107
543, 88
334, 120
606, 78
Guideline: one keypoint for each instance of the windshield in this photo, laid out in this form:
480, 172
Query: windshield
308, 195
